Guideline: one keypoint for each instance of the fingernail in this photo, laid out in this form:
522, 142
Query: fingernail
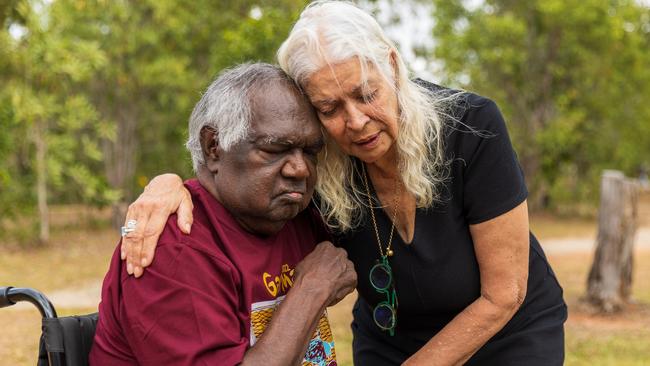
144, 262
129, 268
188, 227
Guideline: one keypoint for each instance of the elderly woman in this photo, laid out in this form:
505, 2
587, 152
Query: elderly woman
421, 186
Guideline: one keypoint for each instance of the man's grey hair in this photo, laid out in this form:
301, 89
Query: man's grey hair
226, 106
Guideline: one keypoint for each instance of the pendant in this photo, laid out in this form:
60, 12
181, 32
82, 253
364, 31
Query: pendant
390, 252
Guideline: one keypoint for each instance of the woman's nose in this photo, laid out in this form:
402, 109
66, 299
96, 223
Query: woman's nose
355, 119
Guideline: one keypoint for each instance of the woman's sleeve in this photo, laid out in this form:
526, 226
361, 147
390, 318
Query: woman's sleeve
493, 181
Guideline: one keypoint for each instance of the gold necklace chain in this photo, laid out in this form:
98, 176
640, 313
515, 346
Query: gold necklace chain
389, 251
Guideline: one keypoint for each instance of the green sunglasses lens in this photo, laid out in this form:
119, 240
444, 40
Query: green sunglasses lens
381, 277
384, 316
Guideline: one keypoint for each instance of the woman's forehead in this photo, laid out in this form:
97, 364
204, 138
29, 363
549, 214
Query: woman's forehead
348, 77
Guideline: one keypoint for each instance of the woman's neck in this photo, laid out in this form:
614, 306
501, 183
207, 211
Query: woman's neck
386, 167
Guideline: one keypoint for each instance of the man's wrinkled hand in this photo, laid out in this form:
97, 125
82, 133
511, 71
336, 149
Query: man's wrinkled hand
327, 271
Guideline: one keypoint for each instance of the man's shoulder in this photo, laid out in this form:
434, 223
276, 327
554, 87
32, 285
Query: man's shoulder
192, 261
202, 241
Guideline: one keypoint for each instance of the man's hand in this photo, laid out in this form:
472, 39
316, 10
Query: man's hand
322, 279
328, 272
163, 196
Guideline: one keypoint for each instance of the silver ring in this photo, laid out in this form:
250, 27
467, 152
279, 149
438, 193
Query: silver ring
130, 227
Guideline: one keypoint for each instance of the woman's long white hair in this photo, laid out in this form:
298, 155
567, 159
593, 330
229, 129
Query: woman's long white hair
330, 32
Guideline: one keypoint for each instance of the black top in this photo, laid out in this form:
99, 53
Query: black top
437, 274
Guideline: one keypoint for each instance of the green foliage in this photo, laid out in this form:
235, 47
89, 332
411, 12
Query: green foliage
571, 76
50, 65
13, 185
258, 36
108, 86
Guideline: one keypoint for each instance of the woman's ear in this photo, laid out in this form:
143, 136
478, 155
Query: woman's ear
210, 147
392, 58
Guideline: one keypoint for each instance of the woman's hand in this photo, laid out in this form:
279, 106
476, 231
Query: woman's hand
163, 196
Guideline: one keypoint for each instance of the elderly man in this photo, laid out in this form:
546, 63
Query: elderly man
250, 284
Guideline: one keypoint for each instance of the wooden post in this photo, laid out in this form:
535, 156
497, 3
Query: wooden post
610, 279
41, 182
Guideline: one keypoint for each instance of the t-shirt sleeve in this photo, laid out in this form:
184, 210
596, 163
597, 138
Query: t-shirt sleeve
184, 310
493, 181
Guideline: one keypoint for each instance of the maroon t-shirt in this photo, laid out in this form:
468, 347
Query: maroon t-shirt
208, 296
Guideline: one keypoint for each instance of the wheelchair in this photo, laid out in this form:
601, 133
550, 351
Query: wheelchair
65, 341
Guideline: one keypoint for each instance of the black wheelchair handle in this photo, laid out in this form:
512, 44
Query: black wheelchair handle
11, 295
4, 297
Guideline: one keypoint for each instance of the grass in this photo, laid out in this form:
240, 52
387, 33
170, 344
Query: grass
619, 347
76, 257
547, 226
621, 339
73, 258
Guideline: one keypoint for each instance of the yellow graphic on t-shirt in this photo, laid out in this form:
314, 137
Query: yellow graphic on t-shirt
260, 318
280, 284
320, 351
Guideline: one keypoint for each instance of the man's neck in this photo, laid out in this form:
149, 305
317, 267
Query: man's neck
252, 225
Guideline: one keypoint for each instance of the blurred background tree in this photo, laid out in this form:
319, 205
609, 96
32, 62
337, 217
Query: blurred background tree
571, 76
51, 124
96, 94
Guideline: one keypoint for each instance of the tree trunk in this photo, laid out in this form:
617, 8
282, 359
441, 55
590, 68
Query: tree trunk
41, 183
610, 279
530, 163
121, 158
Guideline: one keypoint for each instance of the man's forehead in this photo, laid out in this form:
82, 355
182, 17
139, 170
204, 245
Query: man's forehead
282, 114
276, 93
269, 138
288, 137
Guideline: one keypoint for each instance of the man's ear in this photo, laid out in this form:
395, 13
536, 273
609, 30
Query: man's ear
210, 147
